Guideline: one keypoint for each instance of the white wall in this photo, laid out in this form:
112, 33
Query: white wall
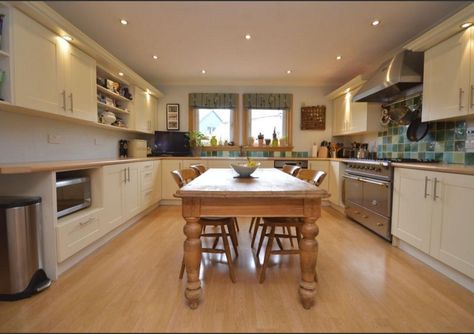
302, 96
24, 138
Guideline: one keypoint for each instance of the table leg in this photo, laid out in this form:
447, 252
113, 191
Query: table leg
308, 257
192, 260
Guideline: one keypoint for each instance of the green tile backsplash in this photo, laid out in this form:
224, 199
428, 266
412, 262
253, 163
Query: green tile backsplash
444, 141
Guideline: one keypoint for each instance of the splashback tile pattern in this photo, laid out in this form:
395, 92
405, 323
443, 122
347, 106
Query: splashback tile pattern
445, 141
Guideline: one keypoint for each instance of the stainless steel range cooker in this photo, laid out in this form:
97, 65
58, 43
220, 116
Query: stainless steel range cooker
367, 193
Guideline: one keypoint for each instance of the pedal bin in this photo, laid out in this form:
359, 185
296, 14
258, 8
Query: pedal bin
20, 272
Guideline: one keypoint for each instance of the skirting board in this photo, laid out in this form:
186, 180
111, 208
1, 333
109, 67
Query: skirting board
451, 273
83, 253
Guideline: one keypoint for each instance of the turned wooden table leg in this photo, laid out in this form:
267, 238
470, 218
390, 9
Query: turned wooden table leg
192, 260
308, 257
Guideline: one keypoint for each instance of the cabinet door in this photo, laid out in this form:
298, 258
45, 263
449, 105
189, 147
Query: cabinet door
339, 115
411, 210
446, 78
324, 166
114, 177
142, 110
132, 191
358, 117
335, 182
157, 181
80, 85
169, 186
38, 56
453, 222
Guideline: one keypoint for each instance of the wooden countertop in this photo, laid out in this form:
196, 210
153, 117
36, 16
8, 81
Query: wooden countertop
38, 167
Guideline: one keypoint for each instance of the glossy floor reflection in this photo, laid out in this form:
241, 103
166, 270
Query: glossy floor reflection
132, 284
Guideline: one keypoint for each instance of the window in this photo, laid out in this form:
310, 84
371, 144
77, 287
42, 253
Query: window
266, 120
215, 122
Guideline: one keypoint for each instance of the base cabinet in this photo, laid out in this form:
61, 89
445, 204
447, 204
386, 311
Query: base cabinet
433, 212
335, 182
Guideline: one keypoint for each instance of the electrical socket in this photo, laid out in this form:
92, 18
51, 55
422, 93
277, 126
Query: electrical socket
54, 139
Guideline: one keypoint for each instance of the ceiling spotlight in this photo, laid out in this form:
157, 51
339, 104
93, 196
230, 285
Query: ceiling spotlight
288, 72
67, 38
203, 71
466, 25
247, 37
121, 74
338, 57
124, 22
375, 23
155, 57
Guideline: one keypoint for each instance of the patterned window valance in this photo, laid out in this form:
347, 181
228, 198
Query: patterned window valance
268, 101
213, 100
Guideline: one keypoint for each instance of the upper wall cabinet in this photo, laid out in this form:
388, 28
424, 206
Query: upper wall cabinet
49, 74
144, 107
448, 83
354, 117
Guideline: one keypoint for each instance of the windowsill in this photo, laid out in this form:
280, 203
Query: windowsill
265, 148
221, 148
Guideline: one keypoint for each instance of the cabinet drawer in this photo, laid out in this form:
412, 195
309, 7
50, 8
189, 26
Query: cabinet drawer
77, 233
147, 198
147, 179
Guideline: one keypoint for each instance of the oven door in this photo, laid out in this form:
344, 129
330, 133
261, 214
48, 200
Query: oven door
371, 194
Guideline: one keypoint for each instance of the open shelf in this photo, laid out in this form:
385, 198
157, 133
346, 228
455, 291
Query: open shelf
112, 94
112, 108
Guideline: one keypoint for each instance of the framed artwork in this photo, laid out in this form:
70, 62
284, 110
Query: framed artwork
313, 118
172, 116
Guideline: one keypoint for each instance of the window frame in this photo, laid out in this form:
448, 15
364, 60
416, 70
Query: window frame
235, 121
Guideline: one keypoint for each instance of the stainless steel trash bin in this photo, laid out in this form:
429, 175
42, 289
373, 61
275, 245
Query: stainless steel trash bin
20, 272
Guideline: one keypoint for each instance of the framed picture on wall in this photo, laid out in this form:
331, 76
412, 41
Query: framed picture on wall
172, 116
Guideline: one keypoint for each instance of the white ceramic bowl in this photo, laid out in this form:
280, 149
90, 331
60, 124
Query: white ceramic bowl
244, 170
108, 117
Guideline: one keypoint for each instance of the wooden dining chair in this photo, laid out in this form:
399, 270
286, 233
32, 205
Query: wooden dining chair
270, 224
186, 175
199, 168
289, 169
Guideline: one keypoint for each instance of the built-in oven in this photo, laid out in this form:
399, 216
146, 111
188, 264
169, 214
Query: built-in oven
72, 194
279, 163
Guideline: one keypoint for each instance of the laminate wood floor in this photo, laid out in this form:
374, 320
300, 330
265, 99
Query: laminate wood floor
131, 284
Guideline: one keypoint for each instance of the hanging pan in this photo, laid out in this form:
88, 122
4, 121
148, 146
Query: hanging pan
417, 129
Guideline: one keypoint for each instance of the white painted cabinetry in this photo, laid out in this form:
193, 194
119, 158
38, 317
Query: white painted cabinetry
335, 182
144, 107
448, 79
354, 117
433, 212
50, 74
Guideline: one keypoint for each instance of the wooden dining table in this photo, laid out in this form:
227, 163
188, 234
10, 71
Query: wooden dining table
269, 192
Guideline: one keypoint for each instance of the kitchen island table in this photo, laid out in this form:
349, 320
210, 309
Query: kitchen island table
267, 193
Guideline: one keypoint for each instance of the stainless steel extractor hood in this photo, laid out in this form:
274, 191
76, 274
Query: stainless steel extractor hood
394, 77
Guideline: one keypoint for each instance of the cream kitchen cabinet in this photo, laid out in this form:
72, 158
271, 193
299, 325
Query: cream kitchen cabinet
50, 74
433, 212
354, 117
323, 166
150, 185
144, 107
448, 79
121, 200
335, 182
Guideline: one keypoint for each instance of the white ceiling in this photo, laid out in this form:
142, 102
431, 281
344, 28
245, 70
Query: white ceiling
302, 36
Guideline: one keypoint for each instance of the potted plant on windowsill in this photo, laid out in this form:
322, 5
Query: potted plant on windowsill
195, 142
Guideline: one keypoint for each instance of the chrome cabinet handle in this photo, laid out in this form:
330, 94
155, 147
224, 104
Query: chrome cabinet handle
125, 175
64, 99
72, 103
88, 221
435, 196
472, 96
426, 186
460, 99
382, 184
128, 174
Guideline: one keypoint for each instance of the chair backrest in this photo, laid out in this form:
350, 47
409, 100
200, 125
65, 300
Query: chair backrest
183, 176
199, 168
311, 176
291, 169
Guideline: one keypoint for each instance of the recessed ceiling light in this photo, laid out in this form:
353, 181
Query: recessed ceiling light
247, 37
124, 22
466, 25
288, 71
67, 38
339, 57
121, 74
203, 71
155, 57
375, 23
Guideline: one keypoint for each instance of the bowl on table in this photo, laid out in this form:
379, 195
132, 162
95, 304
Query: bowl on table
243, 170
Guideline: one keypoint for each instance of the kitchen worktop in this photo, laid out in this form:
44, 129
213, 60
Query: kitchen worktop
37, 167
